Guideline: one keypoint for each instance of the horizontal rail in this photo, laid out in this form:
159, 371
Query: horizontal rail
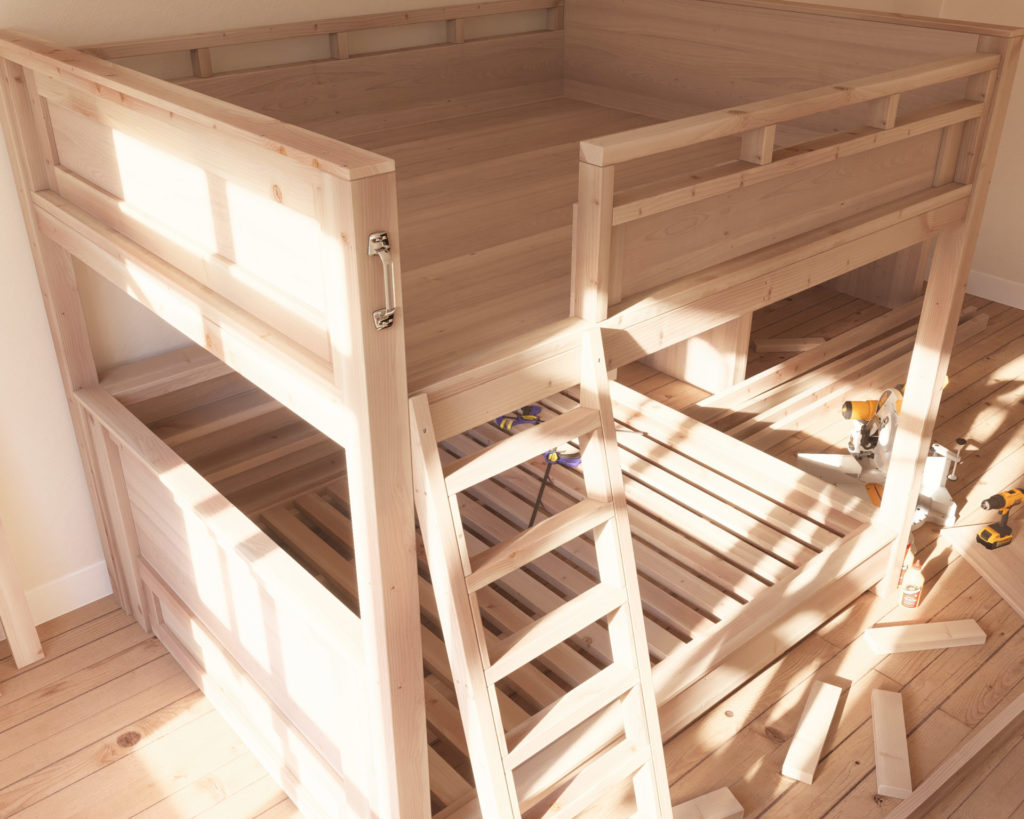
324, 614
722, 179
888, 17
681, 133
165, 100
260, 34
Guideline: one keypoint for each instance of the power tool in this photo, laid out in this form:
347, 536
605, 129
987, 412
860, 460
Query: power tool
863, 470
999, 534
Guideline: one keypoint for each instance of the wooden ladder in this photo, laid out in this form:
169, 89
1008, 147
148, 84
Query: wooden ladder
498, 757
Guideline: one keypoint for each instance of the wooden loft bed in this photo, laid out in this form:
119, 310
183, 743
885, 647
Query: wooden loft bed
632, 170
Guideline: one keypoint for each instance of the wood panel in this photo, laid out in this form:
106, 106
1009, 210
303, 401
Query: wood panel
646, 58
348, 89
684, 240
238, 222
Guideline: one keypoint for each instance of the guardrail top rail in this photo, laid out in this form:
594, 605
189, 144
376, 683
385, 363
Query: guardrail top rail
682, 133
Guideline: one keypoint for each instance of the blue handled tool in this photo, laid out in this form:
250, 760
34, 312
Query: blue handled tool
552, 457
529, 414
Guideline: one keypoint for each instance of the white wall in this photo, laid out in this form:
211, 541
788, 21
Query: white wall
43, 499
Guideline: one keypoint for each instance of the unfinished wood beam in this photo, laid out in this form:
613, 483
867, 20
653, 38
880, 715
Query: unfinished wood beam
892, 759
758, 146
714, 361
883, 112
369, 365
202, 63
720, 804
947, 283
456, 31
924, 636
592, 243
809, 737
339, 45
976, 742
14, 613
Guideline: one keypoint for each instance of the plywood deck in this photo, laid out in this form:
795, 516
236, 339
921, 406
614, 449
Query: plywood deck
485, 207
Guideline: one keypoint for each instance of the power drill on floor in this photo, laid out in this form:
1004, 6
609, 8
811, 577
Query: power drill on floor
999, 534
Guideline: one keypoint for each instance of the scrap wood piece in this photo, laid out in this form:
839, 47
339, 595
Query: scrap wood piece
892, 758
720, 804
811, 731
924, 636
976, 742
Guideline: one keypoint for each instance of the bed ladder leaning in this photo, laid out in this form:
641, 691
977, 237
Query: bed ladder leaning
516, 770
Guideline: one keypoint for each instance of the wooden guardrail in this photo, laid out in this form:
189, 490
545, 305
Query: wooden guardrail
336, 30
615, 261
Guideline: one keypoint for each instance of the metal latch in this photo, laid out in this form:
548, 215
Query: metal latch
380, 245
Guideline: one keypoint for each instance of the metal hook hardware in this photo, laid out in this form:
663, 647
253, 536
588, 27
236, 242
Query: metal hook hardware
380, 245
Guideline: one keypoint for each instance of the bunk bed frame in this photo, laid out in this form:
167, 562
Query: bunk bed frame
688, 216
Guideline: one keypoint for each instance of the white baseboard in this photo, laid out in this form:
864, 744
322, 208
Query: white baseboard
67, 593
994, 288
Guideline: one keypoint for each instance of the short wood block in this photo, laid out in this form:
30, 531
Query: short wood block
924, 636
809, 737
720, 804
892, 759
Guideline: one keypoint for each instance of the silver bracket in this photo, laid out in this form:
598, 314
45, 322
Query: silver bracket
380, 245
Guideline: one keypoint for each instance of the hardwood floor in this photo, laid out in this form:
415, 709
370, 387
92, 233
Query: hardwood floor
108, 726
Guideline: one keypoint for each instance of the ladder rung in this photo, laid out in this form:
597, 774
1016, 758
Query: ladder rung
516, 449
606, 770
554, 627
566, 713
537, 541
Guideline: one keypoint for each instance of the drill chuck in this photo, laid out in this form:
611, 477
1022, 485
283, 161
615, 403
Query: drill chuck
1004, 500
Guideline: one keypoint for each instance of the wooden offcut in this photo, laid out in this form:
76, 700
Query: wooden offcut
811, 731
720, 804
924, 636
892, 759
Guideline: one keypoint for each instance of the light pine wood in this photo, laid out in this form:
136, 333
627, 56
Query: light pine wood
285, 31
947, 281
714, 361
809, 737
892, 760
674, 135
615, 597
651, 284
15, 616
924, 636
720, 804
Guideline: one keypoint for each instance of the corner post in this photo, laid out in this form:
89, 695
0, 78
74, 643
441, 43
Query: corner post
943, 299
369, 370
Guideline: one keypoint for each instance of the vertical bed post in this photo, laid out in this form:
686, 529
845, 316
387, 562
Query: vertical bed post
943, 299
29, 138
369, 370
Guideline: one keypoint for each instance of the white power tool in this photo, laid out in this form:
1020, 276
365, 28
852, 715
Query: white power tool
870, 447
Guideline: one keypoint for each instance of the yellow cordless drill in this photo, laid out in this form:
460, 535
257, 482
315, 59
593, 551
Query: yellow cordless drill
999, 534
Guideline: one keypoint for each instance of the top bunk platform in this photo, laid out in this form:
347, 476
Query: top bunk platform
533, 163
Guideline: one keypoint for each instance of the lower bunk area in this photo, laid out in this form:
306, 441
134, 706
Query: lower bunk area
739, 554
